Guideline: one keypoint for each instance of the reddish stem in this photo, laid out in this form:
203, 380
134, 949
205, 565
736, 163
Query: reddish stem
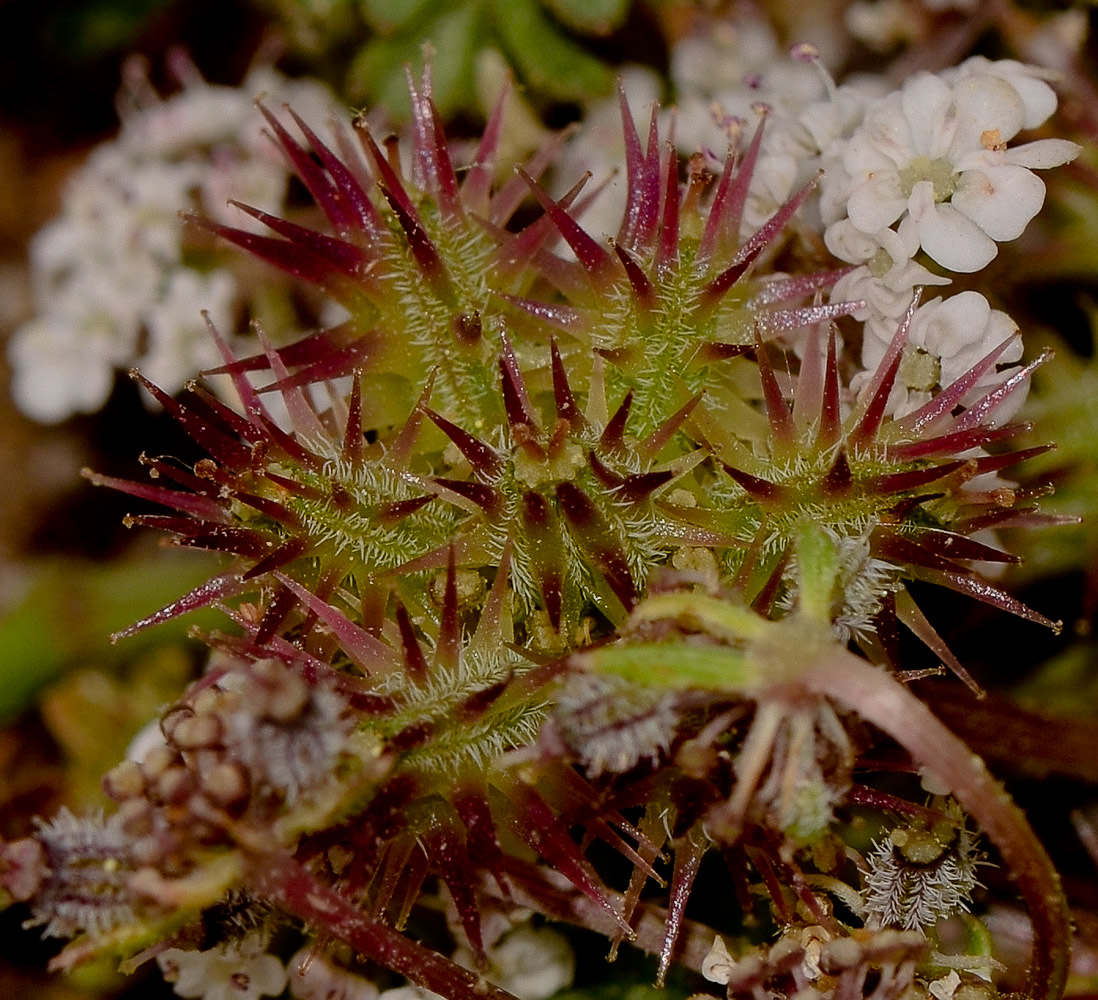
280, 879
876, 697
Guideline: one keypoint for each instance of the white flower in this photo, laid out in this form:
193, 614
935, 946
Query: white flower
722, 81
832, 119
776, 178
55, 373
946, 338
1029, 82
112, 265
313, 976
946, 987
63, 359
737, 64
179, 341
200, 115
935, 152
718, 964
886, 277
409, 992
252, 181
241, 971
533, 963
881, 24
203, 115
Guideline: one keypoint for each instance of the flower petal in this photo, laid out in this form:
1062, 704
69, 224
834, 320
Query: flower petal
947, 326
926, 101
1000, 200
984, 104
882, 141
847, 242
1043, 153
1037, 96
947, 236
877, 203
266, 975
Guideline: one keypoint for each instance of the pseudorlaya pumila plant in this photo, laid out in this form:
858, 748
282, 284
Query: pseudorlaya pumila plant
585, 553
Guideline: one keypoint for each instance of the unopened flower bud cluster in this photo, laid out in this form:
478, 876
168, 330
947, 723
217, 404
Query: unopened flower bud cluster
261, 732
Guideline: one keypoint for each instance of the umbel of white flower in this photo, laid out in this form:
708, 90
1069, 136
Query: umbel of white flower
113, 283
933, 157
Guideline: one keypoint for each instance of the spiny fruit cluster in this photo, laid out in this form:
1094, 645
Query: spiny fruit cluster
575, 558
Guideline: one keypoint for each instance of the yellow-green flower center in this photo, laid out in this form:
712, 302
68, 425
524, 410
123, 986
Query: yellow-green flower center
940, 173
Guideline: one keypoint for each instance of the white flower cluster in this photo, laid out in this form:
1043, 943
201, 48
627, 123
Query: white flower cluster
532, 962
946, 338
243, 970
112, 283
314, 976
915, 182
929, 169
731, 78
723, 82
883, 25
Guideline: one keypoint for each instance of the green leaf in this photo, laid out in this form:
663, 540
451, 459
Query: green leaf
390, 16
546, 59
93, 30
377, 73
590, 17
67, 611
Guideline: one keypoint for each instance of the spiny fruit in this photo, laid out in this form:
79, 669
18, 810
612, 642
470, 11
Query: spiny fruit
561, 564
